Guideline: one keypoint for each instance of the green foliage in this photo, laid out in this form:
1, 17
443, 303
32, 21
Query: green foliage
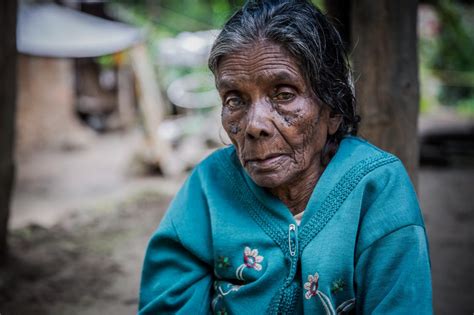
319, 4
172, 17
106, 61
452, 57
424, 104
466, 107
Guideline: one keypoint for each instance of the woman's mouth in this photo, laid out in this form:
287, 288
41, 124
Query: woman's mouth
267, 163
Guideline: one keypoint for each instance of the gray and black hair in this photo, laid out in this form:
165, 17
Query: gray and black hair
309, 37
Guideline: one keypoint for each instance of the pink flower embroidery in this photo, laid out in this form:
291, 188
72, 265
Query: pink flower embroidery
252, 259
311, 286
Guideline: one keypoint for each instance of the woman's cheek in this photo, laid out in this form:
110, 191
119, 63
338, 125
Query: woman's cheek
234, 128
290, 115
231, 121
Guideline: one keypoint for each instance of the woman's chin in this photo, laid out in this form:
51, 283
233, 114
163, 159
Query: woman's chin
268, 179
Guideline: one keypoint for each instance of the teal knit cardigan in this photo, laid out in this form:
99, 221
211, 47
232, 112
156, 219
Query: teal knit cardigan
227, 246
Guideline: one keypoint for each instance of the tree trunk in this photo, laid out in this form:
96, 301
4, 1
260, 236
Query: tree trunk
386, 75
7, 115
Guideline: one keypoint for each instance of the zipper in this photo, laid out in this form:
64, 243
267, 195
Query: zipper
292, 240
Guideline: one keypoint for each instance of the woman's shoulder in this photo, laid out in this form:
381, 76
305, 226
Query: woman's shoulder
356, 159
388, 198
220, 164
366, 161
219, 173
224, 156
361, 159
359, 149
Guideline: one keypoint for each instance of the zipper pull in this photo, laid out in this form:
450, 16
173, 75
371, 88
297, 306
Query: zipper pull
292, 240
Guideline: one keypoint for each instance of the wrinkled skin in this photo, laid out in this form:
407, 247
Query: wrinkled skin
274, 120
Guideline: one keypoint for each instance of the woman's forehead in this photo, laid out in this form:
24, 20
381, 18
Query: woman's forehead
261, 62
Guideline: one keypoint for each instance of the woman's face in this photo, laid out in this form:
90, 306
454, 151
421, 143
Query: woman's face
272, 116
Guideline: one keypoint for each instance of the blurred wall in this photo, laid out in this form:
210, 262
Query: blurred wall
45, 108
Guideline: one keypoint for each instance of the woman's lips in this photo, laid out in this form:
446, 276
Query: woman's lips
269, 162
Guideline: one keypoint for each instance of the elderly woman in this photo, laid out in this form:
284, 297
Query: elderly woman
298, 215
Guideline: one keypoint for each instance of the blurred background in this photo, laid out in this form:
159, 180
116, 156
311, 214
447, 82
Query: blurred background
110, 104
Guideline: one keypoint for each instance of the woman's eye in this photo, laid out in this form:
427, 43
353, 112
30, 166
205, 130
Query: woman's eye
283, 96
234, 102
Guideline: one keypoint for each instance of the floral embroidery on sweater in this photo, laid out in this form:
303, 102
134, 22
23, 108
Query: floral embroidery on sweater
222, 289
311, 286
346, 307
312, 289
252, 260
222, 311
229, 289
338, 286
223, 262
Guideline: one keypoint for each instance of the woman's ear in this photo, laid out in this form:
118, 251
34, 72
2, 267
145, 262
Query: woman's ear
334, 122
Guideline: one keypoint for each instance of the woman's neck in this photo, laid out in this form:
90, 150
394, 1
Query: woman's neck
297, 194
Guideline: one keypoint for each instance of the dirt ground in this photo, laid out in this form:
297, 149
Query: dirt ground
81, 222
90, 264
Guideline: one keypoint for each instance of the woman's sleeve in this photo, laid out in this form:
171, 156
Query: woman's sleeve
392, 272
176, 276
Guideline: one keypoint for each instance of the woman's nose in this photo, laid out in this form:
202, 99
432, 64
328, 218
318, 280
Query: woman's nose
259, 124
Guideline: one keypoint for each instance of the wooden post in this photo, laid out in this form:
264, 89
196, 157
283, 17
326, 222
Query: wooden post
152, 108
125, 95
386, 74
8, 9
